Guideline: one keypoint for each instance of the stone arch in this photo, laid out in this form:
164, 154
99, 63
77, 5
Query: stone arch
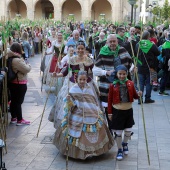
43, 9
9, 1
71, 7
63, 1
100, 7
92, 2
35, 2
16, 7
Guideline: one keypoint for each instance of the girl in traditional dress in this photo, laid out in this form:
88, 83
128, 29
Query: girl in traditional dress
120, 112
84, 124
58, 51
79, 62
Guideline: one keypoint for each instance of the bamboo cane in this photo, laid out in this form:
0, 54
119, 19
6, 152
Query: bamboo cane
3, 129
67, 145
143, 115
5, 85
4, 111
51, 82
42, 115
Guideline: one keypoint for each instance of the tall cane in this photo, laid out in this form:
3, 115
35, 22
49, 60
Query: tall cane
51, 82
143, 115
42, 115
67, 145
4, 111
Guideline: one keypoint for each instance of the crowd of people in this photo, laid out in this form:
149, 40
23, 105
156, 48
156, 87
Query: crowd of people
94, 70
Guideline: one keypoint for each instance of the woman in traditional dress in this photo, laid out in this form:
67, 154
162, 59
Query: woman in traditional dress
83, 123
58, 51
49, 46
76, 63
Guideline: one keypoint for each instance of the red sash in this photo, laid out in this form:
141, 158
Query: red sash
53, 66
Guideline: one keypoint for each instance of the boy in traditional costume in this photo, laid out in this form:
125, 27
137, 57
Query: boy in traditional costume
120, 112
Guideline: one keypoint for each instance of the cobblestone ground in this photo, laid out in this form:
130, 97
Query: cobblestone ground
26, 151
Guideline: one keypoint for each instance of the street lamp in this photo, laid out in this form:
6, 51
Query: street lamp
135, 6
132, 3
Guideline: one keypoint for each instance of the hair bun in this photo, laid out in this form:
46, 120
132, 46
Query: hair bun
80, 42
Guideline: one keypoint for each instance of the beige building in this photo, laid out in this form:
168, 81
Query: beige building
114, 10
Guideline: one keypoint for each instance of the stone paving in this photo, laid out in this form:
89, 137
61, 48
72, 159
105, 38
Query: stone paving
27, 152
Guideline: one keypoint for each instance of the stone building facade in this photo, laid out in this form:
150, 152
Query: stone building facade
114, 10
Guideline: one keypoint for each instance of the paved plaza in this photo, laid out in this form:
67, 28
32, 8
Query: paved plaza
27, 152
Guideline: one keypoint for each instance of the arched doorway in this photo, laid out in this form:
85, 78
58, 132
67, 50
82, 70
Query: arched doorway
44, 9
72, 7
17, 8
101, 9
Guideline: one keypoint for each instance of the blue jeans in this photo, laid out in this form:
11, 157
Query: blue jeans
93, 52
163, 82
144, 79
27, 49
36, 48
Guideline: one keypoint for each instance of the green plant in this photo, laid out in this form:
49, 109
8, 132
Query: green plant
166, 10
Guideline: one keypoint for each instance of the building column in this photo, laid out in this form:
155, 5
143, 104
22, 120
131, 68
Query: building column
57, 10
85, 11
30, 10
117, 10
58, 14
30, 13
4, 9
86, 14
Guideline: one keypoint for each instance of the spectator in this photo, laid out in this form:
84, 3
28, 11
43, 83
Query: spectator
26, 45
37, 40
18, 87
148, 56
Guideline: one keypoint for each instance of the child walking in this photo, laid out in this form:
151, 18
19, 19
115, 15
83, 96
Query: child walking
87, 132
121, 95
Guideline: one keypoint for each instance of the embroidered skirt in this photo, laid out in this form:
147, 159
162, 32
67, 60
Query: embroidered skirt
89, 144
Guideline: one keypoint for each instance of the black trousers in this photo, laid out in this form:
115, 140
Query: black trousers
17, 92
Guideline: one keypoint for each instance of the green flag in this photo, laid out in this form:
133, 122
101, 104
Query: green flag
166, 45
145, 45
